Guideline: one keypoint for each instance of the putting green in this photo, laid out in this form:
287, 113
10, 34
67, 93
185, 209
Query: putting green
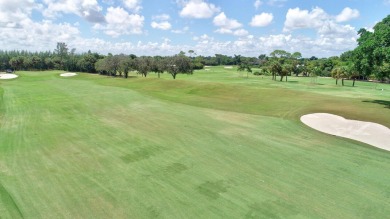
211, 145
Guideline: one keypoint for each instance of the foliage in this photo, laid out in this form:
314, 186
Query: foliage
244, 66
372, 55
178, 64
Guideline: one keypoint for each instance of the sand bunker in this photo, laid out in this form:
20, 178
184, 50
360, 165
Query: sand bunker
69, 74
228, 67
367, 132
8, 76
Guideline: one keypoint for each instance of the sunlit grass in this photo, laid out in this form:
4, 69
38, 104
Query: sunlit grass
214, 144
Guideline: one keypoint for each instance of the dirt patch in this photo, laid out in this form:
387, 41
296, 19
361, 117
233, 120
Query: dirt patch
368, 132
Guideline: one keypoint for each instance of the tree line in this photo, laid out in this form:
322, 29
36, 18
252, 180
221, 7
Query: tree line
369, 60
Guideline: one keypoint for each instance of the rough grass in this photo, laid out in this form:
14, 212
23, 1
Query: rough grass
210, 145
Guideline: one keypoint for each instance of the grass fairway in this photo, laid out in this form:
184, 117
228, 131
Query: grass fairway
210, 145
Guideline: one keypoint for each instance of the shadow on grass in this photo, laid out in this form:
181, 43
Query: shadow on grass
385, 103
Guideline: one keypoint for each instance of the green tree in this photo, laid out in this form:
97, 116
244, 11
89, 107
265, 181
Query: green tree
337, 73
178, 64
158, 65
143, 65
371, 56
62, 53
245, 66
16, 62
286, 70
276, 69
126, 64
280, 54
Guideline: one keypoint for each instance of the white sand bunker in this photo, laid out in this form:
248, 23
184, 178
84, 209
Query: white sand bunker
367, 132
8, 76
228, 67
69, 74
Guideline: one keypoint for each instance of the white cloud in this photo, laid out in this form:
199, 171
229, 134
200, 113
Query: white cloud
198, 9
181, 31
224, 31
223, 22
240, 32
161, 17
163, 25
330, 35
161, 22
14, 12
87, 9
300, 19
120, 22
262, 20
331, 29
347, 14
37, 36
257, 4
228, 26
277, 3
134, 5
15, 16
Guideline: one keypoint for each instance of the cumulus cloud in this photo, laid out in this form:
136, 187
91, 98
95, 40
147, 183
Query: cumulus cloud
12, 13
257, 4
161, 17
37, 36
300, 19
120, 22
228, 26
240, 32
331, 36
15, 16
277, 3
222, 21
319, 20
89, 10
161, 22
198, 9
262, 20
181, 31
347, 14
163, 25
134, 5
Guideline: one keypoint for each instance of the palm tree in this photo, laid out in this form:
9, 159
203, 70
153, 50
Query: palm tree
337, 73
276, 69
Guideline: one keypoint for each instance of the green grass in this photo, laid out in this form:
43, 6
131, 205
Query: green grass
209, 145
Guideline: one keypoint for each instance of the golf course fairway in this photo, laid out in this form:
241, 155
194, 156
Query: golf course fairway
214, 144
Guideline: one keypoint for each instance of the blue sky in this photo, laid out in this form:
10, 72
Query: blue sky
163, 27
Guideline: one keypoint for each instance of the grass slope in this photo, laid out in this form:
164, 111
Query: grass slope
211, 145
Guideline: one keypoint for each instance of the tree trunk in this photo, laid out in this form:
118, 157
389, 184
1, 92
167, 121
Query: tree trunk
342, 81
353, 83
158, 74
281, 78
174, 76
337, 80
286, 77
